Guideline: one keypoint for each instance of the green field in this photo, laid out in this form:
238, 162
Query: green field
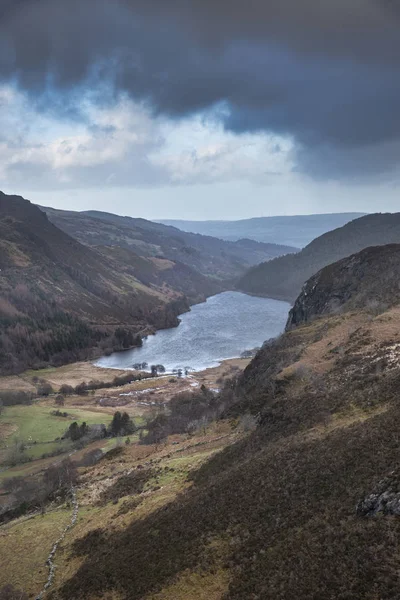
37, 424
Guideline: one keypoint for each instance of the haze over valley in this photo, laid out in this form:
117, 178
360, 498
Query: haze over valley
296, 231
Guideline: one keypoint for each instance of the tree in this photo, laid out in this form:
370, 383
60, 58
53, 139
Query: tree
76, 432
115, 426
126, 339
61, 475
16, 454
73, 431
66, 390
60, 400
44, 389
158, 430
81, 389
122, 424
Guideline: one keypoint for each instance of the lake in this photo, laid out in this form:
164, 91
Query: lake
222, 327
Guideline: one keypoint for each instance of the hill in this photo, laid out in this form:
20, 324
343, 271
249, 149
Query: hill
315, 484
284, 277
209, 256
295, 231
368, 280
61, 300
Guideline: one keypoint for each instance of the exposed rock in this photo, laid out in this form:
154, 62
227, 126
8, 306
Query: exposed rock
369, 279
384, 500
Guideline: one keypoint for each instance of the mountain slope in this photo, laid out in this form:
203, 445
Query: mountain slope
59, 299
284, 276
295, 231
367, 280
317, 483
209, 256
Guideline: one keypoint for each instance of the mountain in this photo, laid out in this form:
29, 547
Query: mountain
61, 300
295, 231
315, 484
210, 256
284, 277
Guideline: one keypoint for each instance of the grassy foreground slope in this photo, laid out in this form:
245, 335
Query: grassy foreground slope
284, 277
315, 486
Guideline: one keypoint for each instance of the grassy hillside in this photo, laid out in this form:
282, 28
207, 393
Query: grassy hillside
315, 484
284, 277
60, 299
208, 256
296, 231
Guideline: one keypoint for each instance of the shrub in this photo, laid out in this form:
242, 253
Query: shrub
81, 389
91, 458
44, 389
66, 390
12, 398
60, 400
59, 413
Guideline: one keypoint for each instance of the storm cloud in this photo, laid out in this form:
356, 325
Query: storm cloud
325, 74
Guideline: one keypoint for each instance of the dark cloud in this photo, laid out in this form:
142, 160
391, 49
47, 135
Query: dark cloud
326, 73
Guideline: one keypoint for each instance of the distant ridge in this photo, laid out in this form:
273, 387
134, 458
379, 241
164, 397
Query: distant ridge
212, 257
296, 230
284, 277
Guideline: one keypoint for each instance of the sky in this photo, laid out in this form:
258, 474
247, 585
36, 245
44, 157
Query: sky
200, 109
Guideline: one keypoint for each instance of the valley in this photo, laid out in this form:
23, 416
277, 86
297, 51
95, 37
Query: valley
65, 298
199, 300
210, 438
261, 473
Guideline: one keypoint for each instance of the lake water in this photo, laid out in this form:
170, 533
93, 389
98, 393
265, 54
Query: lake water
223, 327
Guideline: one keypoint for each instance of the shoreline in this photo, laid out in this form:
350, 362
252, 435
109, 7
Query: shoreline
76, 373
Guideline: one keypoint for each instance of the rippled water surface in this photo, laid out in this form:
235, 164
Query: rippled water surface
223, 327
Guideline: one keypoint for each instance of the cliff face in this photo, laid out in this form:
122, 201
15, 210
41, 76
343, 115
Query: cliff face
369, 279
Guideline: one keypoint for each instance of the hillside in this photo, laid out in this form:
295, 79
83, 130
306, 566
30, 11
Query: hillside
284, 277
295, 231
312, 479
60, 300
366, 280
209, 256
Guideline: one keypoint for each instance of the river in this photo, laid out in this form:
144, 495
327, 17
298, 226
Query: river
222, 327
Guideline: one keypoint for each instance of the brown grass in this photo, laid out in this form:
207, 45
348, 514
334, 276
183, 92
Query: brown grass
24, 547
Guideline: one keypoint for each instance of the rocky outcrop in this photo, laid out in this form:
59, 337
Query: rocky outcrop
367, 280
385, 499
